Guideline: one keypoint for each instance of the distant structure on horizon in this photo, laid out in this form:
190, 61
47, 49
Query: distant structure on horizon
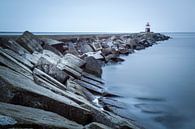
147, 29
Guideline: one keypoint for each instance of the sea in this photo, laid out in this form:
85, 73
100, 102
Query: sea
158, 83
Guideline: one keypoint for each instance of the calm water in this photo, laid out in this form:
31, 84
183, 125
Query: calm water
158, 83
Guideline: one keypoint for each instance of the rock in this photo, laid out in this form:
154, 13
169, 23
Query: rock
72, 49
52, 70
50, 56
6, 120
74, 60
18, 89
13, 64
92, 66
79, 90
93, 77
92, 88
83, 47
30, 42
71, 64
13, 45
18, 116
51, 41
19, 58
106, 51
97, 55
95, 125
96, 46
54, 50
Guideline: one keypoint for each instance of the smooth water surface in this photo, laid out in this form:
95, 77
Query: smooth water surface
158, 83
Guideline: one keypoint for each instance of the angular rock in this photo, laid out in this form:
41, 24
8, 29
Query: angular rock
83, 47
13, 64
51, 41
13, 45
92, 66
18, 116
97, 55
30, 42
52, 70
95, 125
92, 88
53, 49
72, 49
74, 60
18, 89
19, 58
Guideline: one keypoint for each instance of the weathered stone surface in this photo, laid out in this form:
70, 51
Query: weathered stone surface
53, 49
41, 74
18, 116
92, 66
18, 89
51, 41
13, 45
73, 60
72, 49
95, 125
6, 120
52, 70
91, 87
30, 42
19, 58
13, 64
97, 55
84, 47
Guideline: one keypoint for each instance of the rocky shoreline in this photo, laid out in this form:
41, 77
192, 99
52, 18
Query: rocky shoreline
55, 81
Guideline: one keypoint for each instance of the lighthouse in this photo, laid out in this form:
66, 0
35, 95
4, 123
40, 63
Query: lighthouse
147, 29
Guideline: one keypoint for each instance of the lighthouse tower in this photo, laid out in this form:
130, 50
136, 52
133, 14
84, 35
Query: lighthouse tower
147, 29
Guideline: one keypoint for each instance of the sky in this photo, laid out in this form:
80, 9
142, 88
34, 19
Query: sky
97, 15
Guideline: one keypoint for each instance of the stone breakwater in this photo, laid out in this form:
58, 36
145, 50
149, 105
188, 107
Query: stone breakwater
55, 81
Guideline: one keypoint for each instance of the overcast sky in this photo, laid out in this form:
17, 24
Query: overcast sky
97, 15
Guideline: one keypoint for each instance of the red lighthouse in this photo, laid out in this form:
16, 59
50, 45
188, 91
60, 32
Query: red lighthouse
147, 29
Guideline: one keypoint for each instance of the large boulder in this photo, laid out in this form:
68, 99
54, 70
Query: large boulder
53, 49
95, 125
84, 47
30, 42
92, 66
13, 45
16, 116
18, 89
52, 70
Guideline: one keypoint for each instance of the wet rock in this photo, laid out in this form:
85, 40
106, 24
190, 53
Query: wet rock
92, 66
21, 116
30, 42
52, 70
13, 45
